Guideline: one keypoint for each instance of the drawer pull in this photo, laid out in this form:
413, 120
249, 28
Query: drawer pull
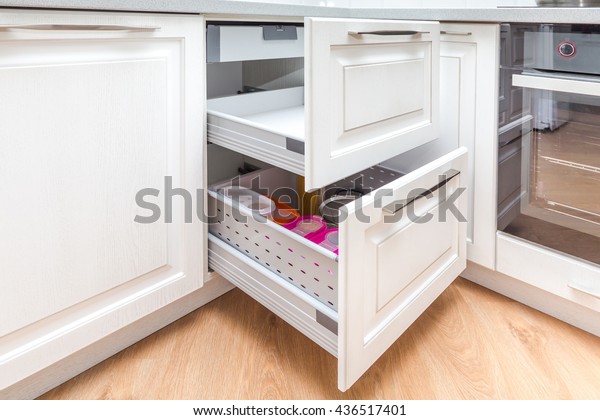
583, 289
386, 33
72, 27
398, 205
456, 33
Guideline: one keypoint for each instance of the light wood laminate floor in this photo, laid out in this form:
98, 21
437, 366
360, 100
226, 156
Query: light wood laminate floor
471, 343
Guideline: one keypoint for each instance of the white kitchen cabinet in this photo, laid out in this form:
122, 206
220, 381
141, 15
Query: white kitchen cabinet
389, 269
95, 107
370, 92
468, 98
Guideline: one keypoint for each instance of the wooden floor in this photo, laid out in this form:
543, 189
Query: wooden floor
471, 343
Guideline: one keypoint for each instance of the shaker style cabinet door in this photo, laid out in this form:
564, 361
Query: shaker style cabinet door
402, 247
95, 108
371, 92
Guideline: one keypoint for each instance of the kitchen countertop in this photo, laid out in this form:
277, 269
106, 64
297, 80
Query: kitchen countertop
516, 14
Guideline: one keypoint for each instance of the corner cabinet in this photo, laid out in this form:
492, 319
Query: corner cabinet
95, 108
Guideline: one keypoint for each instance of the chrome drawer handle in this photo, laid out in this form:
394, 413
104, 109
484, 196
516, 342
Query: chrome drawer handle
72, 27
395, 206
582, 289
386, 33
457, 33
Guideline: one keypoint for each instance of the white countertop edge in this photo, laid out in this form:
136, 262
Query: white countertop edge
225, 7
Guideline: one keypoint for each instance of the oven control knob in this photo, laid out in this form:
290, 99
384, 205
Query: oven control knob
566, 49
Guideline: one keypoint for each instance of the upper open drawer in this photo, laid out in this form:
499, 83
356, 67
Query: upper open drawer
371, 90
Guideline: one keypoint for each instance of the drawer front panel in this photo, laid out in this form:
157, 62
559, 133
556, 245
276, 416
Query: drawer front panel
372, 92
400, 247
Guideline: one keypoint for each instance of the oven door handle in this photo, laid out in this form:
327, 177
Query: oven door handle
577, 85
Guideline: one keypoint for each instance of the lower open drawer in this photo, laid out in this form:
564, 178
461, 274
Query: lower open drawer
400, 246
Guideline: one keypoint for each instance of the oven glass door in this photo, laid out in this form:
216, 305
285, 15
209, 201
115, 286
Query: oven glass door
549, 173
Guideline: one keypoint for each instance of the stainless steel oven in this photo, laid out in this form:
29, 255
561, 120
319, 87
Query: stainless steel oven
549, 137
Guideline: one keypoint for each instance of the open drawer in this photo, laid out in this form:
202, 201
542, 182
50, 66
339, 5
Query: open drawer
400, 246
370, 92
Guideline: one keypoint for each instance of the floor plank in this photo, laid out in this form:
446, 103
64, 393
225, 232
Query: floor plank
470, 344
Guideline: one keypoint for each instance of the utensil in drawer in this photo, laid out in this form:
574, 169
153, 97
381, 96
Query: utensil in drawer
283, 213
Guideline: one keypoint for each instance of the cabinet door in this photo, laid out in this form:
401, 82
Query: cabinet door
95, 108
401, 248
372, 90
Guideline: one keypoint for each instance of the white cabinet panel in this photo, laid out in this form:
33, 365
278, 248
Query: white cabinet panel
95, 107
469, 115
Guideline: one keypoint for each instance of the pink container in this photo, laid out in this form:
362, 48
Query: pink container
328, 239
307, 226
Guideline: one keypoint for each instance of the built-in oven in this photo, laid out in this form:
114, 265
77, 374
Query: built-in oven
549, 137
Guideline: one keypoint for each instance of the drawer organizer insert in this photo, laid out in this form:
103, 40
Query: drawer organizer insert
295, 259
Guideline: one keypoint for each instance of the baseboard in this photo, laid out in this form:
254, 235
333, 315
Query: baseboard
548, 303
54, 375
